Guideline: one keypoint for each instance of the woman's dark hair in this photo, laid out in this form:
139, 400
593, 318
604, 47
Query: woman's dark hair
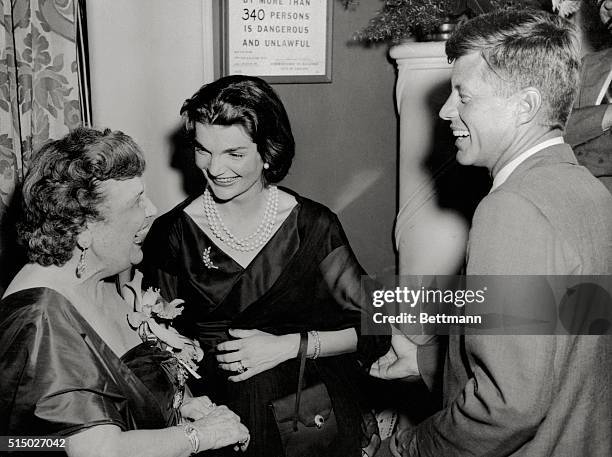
253, 104
62, 192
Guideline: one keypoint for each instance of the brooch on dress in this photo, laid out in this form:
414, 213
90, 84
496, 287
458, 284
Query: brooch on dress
206, 259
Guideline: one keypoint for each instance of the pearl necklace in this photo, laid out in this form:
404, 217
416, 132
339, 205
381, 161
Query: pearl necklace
256, 239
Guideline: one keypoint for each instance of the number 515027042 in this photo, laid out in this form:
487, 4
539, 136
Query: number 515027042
47, 443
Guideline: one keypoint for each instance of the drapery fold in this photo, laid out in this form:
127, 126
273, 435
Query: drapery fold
43, 87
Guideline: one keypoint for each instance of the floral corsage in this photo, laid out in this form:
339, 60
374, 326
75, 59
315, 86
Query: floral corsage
152, 317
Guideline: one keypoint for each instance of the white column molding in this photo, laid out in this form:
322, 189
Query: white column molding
430, 239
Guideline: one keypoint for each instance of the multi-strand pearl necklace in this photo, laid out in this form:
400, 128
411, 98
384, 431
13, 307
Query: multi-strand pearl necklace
256, 239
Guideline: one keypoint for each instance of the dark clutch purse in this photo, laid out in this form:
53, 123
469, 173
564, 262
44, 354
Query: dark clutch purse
305, 420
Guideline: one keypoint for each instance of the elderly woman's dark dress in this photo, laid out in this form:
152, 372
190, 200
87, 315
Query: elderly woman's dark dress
59, 377
306, 277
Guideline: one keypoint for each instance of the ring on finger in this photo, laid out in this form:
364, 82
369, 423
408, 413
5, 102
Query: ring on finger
244, 441
241, 367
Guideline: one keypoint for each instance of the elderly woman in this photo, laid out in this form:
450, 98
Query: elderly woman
259, 267
70, 363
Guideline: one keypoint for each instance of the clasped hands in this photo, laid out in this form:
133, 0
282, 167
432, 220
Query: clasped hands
254, 351
217, 426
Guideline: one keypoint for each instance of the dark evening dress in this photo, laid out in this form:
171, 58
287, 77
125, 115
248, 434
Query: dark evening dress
58, 377
305, 278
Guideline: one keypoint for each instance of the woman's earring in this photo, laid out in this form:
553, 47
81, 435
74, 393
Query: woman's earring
80, 268
266, 165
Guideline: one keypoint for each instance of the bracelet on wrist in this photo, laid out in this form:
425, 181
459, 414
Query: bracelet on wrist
317, 344
192, 435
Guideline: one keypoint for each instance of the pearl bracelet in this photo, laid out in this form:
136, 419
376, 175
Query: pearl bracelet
192, 435
317, 344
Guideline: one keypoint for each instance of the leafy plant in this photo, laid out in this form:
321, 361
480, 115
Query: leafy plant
398, 20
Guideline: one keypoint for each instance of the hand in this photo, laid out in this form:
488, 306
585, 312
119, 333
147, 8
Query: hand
400, 362
255, 351
220, 428
195, 408
605, 11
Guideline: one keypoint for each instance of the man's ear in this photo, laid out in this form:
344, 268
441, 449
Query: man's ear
84, 239
529, 103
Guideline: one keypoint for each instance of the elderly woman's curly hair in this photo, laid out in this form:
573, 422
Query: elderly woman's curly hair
61, 192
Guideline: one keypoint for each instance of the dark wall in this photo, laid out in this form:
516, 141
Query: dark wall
346, 137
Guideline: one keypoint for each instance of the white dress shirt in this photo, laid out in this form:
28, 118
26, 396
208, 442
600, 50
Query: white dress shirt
507, 169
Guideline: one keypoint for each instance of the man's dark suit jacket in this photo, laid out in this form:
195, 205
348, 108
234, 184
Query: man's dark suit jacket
592, 145
526, 395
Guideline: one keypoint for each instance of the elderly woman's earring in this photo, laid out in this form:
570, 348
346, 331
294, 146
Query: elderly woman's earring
266, 165
80, 268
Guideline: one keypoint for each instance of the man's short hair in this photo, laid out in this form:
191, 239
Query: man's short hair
525, 48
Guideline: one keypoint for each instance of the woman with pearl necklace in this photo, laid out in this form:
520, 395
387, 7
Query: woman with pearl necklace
257, 266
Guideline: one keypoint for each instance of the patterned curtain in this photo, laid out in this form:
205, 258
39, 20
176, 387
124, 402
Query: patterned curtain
42, 44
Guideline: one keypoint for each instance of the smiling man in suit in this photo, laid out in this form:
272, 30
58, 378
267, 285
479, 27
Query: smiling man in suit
514, 79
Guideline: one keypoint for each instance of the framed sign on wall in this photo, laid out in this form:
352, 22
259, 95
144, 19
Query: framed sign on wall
282, 41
